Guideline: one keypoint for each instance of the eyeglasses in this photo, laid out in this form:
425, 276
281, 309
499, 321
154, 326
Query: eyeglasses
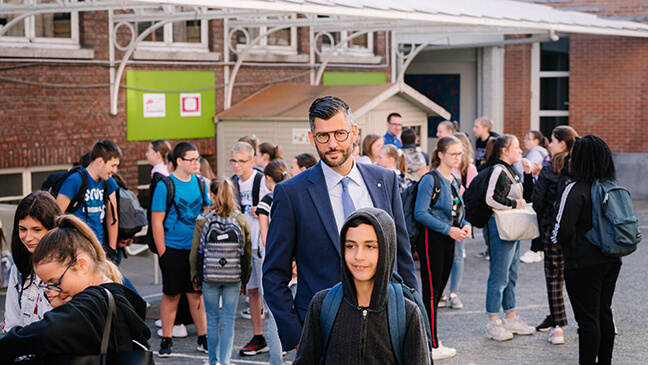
239, 162
396, 124
191, 160
324, 137
55, 286
455, 155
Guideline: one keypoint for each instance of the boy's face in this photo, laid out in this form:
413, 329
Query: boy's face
107, 169
241, 163
361, 253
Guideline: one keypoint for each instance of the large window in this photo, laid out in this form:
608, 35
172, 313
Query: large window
283, 41
42, 29
361, 45
180, 34
15, 183
553, 92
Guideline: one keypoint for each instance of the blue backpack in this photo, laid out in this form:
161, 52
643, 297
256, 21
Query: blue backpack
615, 229
408, 196
397, 293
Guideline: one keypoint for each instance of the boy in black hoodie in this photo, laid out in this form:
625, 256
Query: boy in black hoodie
360, 333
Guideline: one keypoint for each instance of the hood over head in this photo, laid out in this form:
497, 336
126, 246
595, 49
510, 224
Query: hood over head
385, 229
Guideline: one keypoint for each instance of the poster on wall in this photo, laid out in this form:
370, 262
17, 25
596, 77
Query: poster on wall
154, 105
300, 136
190, 105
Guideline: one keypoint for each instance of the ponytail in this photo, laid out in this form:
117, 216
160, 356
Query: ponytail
442, 146
271, 150
277, 170
567, 134
496, 145
71, 237
224, 202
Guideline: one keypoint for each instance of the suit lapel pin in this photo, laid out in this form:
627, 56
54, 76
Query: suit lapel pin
379, 185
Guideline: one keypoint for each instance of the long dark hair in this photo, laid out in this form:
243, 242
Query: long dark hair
591, 159
272, 150
496, 145
567, 134
538, 136
277, 170
442, 146
40, 206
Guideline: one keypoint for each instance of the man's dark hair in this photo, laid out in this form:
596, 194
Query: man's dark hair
591, 159
106, 150
85, 160
326, 108
392, 115
306, 160
408, 137
353, 223
179, 151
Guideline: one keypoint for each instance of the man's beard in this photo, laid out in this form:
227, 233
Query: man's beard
345, 156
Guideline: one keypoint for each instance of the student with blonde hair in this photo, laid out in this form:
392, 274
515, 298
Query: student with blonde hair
390, 158
76, 274
482, 129
370, 146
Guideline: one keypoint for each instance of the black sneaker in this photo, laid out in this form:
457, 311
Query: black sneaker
545, 325
257, 345
165, 347
202, 344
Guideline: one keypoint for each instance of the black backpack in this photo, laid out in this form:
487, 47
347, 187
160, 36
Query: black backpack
170, 201
408, 196
55, 181
477, 211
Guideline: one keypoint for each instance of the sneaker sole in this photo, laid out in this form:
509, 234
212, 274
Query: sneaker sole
202, 349
521, 333
252, 353
164, 355
499, 339
543, 329
557, 341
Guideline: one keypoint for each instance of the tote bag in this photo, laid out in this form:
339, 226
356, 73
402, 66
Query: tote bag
517, 224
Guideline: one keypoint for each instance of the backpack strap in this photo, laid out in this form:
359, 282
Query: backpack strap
105, 339
256, 189
107, 202
79, 198
437, 188
328, 312
170, 200
202, 185
237, 190
396, 318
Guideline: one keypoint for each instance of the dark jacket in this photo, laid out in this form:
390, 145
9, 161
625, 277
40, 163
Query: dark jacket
76, 327
573, 220
361, 335
504, 191
545, 193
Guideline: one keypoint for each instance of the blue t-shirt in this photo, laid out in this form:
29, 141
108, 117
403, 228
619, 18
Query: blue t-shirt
94, 200
389, 139
179, 225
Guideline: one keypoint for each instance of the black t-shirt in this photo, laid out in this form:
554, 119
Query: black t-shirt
480, 149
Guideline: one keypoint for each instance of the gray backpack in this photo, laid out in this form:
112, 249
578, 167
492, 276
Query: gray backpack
221, 249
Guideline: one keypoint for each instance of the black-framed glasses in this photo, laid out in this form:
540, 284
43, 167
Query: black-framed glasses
191, 160
340, 136
55, 286
239, 162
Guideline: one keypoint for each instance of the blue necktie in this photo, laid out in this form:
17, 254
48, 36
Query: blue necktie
347, 203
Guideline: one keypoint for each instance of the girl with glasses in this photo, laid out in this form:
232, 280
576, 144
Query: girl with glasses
25, 302
444, 224
75, 272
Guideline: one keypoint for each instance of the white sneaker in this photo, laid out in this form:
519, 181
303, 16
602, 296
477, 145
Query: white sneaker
246, 314
179, 331
158, 323
443, 302
531, 257
518, 326
556, 336
496, 331
443, 352
455, 302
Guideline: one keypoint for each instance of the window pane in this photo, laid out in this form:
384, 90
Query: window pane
360, 42
144, 174
52, 25
554, 93
547, 124
37, 178
554, 56
157, 36
279, 38
11, 185
17, 30
186, 31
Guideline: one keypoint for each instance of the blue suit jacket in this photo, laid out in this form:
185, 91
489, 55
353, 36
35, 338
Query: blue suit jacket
303, 226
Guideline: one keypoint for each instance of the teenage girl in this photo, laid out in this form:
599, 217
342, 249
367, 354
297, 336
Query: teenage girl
156, 156
301, 163
590, 275
389, 158
444, 224
25, 302
505, 191
537, 145
275, 172
75, 273
447, 128
220, 319
265, 153
370, 146
545, 193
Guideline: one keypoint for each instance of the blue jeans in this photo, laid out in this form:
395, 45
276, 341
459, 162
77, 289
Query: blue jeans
457, 266
220, 321
503, 274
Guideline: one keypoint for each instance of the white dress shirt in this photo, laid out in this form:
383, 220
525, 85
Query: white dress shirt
357, 189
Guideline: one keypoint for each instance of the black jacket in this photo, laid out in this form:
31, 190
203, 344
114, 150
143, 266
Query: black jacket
76, 327
545, 194
361, 335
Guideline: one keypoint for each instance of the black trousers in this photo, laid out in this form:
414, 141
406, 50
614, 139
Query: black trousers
436, 254
590, 291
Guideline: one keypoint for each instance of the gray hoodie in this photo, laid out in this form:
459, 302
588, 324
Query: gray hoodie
360, 335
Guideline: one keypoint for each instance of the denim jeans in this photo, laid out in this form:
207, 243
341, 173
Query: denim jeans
276, 352
457, 266
220, 321
503, 275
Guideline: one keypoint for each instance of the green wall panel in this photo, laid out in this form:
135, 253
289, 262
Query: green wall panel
353, 78
194, 124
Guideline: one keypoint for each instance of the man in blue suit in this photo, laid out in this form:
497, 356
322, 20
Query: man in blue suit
309, 210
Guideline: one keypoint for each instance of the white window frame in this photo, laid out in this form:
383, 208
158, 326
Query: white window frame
168, 42
536, 76
26, 173
350, 51
263, 47
30, 39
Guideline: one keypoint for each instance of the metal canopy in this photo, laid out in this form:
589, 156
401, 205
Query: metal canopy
436, 24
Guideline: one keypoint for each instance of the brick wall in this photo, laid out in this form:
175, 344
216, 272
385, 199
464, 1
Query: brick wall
517, 89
